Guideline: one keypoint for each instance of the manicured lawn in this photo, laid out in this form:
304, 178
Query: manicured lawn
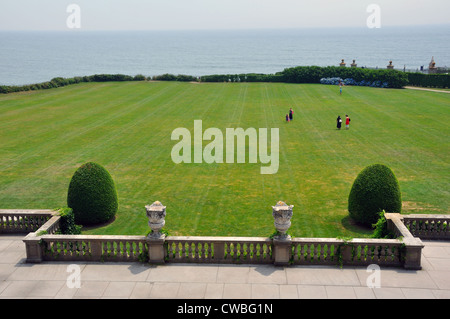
126, 127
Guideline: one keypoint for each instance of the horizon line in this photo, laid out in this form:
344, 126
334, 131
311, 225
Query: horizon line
229, 29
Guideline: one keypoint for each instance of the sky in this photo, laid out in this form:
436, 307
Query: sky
217, 14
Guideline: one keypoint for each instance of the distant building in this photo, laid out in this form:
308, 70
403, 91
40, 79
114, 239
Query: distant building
390, 66
342, 63
354, 65
432, 67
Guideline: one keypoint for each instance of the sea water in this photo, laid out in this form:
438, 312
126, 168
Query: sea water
37, 56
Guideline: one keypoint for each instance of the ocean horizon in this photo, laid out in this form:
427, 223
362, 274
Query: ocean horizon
28, 57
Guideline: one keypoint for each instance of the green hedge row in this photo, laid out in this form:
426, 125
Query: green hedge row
313, 74
300, 74
60, 82
248, 77
172, 77
429, 80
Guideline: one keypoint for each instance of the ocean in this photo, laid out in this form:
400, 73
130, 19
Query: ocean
36, 56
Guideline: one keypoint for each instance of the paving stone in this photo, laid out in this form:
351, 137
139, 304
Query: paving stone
164, 290
183, 273
237, 291
322, 276
214, 291
311, 292
339, 292
265, 291
119, 289
91, 289
116, 272
233, 274
192, 290
141, 290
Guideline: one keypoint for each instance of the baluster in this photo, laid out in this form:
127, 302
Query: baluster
325, 253
183, 250
196, 251
202, 251
210, 250
317, 251
383, 254
298, 252
177, 253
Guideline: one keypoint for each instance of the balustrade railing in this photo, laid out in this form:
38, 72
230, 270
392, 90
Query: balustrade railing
93, 248
219, 250
22, 221
42, 243
356, 252
428, 226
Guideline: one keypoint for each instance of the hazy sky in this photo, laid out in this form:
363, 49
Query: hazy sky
216, 14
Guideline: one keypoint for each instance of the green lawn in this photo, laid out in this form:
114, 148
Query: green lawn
126, 127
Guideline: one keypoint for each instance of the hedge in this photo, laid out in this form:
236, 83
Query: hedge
92, 195
375, 189
60, 82
429, 80
314, 74
300, 74
172, 77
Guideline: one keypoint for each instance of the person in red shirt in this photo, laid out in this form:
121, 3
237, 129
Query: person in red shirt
347, 122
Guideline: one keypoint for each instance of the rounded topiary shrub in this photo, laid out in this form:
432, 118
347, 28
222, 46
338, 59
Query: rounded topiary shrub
92, 195
375, 189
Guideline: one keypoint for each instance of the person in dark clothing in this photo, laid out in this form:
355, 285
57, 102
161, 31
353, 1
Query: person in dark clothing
287, 118
291, 114
339, 122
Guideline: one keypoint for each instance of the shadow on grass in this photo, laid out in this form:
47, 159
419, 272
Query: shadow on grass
352, 226
100, 225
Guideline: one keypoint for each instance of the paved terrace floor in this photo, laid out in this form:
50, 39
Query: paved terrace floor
189, 281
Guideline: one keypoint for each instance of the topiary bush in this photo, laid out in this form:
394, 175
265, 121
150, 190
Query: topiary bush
92, 195
375, 189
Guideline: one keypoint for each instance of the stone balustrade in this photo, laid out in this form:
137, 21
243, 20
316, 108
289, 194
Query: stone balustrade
43, 244
428, 226
23, 220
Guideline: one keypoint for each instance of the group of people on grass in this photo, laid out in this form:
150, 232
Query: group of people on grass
339, 122
290, 117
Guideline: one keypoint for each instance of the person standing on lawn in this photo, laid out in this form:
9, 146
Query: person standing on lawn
339, 122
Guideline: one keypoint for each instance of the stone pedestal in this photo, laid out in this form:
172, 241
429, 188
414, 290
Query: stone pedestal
33, 248
282, 251
156, 252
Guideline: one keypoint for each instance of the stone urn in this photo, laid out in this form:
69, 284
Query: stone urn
282, 214
156, 214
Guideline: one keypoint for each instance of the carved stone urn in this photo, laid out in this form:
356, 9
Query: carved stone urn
156, 214
282, 214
